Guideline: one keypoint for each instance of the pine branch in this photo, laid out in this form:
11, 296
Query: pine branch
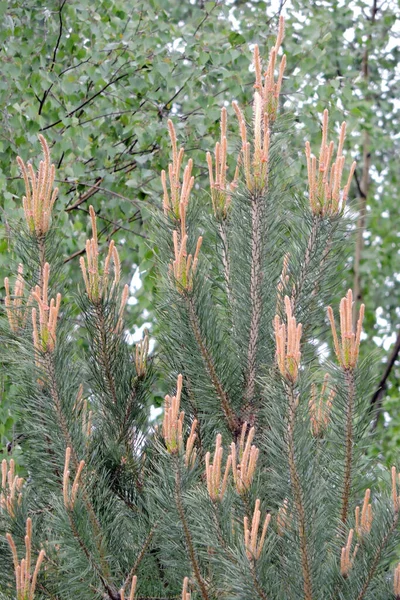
141, 555
377, 556
112, 593
49, 365
305, 265
256, 277
298, 494
350, 384
225, 260
230, 416
256, 583
187, 534
104, 359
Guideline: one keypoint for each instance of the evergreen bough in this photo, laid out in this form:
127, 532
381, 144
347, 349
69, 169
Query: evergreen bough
255, 485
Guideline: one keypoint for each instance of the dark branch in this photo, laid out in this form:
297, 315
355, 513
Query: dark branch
376, 400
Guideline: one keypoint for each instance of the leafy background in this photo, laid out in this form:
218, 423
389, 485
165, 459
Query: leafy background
100, 78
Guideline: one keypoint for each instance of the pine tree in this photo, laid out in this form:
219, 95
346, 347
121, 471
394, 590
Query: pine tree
255, 485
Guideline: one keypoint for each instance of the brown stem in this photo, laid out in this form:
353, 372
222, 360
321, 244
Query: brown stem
377, 557
298, 496
111, 591
256, 276
49, 366
141, 555
230, 416
349, 376
188, 537
257, 586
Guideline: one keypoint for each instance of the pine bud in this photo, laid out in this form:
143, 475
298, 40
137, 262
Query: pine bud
11, 486
173, 420
96, 284
216, 485
39, 196
347, 557
24, 580
396, 582
15, 311
221, 191
320, 408
287, 339
325, 194
70, 494
243, 472
44, 336
132, 592
252, 544
364, 524
176, 200
347, 352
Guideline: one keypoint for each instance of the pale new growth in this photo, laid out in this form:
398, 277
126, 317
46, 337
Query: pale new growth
395, 496
44, 335
265, 108
178, 196
81, 408
216, 483
191, 452
184, 266
325, 179
39, 196
132, 592
13, 303
221, 190
253, 542
25, 580
347, 351
96, 283
255, 165
11, 486
141, 353
70, 492
185, 594
396, 582
172, 428
270, 89
244, 465
283, 518
282, 284
347, 556
320, 408
364, 516
287, 339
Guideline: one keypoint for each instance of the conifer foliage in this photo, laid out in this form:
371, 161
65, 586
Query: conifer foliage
255, 484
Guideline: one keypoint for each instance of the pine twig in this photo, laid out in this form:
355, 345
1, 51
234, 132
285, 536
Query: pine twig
349, 375
377, 556
256, 277
188, 537
298, 496
230, 416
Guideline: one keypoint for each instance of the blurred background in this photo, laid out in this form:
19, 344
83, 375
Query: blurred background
100, 78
